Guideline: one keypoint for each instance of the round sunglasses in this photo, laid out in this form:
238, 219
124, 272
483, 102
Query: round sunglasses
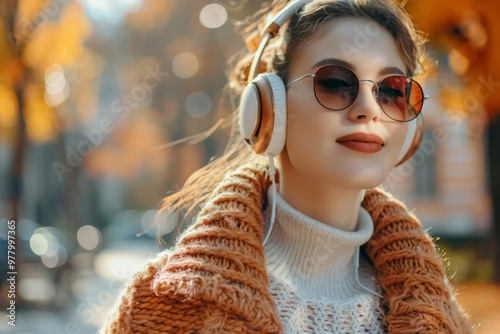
336, 87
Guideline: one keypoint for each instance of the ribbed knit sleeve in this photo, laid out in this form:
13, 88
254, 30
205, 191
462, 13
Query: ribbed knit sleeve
418, 297
215, 280
220, 258
139, 309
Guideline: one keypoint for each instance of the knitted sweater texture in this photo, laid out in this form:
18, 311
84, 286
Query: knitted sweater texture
215, 279
312, 274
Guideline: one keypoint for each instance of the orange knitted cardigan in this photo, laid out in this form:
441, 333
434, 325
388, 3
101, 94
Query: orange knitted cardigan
215, 280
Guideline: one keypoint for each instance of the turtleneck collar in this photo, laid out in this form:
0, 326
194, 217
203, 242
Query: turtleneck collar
315, 258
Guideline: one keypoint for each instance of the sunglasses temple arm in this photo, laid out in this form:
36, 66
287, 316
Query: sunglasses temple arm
426, 97
298, 79
422, 100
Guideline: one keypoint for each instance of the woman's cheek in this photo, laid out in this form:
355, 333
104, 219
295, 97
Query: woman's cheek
398, 137
305, 140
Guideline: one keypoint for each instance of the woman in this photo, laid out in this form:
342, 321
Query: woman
281, 253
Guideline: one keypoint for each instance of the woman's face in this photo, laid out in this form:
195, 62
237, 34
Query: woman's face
312, 130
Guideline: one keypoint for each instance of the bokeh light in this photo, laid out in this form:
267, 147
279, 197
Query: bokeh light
154, 227
147, 222
213, 16
50, 260
55, 82
44, 243
198, 104
55, 257
56, 86
185, 65
166, 221
39, 244
88, 237
111, 11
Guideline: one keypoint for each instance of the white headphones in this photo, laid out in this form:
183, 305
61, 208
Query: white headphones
262, 111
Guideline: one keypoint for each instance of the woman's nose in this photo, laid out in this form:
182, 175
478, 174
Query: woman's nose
365, 107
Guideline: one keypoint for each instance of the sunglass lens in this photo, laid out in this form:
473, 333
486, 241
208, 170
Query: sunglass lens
401, 98
335, 87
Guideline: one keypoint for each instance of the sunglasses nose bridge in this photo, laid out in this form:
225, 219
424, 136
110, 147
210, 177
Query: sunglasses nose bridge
374, 89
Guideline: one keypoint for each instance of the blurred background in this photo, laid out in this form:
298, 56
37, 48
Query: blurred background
94, 92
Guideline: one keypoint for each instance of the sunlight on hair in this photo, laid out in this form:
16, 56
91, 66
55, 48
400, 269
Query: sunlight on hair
194, 139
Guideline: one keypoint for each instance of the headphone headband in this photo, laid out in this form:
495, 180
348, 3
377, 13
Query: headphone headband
271, 30
284, 14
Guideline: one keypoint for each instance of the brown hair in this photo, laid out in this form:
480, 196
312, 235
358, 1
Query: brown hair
303, 26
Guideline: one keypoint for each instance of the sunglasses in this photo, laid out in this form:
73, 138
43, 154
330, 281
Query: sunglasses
336, 87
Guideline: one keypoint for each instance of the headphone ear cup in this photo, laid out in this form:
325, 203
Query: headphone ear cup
413, 139
278, 136
262, 114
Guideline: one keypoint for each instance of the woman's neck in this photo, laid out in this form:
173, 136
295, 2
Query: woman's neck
325, 202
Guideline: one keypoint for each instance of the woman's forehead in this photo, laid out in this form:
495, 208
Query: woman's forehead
363, 43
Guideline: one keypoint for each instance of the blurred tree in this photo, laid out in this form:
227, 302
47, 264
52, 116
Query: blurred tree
470, 32
41, 43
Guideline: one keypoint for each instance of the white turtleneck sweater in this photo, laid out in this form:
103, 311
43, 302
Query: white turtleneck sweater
311, 269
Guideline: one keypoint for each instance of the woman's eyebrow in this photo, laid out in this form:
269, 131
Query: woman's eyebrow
340, 62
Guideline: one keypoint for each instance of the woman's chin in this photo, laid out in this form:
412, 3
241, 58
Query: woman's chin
363, 180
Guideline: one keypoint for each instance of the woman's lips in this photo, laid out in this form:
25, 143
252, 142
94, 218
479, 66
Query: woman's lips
362, 146
362, 142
